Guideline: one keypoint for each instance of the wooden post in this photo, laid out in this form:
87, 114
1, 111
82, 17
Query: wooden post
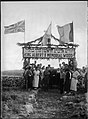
24, 63
28, 60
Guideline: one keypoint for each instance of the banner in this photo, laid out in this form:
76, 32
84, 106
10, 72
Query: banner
43, 53
14, 28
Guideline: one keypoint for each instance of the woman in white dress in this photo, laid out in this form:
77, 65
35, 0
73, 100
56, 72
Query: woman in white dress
74, 80
36, 73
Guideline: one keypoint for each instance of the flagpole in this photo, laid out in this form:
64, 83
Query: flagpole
24, 36
75, 47
73, 32
24, 42
24, 33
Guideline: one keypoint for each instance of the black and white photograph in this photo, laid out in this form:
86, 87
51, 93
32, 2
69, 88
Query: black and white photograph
44, 59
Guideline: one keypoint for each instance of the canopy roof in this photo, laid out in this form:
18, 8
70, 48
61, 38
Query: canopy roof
37, 42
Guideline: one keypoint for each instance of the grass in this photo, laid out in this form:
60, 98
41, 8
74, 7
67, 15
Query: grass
12, 73
45, 105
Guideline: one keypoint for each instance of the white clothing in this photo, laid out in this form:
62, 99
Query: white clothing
74, 81
36, 78
74, 84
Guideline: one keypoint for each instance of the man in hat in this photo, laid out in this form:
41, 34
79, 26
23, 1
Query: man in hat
28, 77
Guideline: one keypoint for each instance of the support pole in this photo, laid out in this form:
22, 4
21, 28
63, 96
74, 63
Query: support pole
24, 37
59, 62
24, 63
28, 60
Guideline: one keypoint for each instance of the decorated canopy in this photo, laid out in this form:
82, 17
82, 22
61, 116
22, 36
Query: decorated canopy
43, 48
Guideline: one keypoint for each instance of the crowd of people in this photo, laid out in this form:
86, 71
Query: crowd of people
66, 79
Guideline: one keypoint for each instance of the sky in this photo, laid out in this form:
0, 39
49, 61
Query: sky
38, 15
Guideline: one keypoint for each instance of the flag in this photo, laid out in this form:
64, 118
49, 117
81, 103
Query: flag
47, 37
66, 32
14, 28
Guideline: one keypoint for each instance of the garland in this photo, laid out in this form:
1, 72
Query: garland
61, 43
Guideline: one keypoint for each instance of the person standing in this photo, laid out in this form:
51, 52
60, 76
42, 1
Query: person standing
52, 78
58, 78
30, 77
46, 79
42, 76
67, 81
26, 76
62, 78
74, 80
40, 69
36, 73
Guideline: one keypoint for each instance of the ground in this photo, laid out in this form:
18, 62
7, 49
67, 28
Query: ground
20, 104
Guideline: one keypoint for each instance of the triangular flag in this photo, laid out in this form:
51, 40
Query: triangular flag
66, 32
47, 36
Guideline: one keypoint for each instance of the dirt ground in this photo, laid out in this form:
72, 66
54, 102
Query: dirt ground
18, 104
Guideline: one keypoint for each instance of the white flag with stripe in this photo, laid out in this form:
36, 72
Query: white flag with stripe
66, 32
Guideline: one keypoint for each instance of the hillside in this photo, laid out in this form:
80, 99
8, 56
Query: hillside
12, 73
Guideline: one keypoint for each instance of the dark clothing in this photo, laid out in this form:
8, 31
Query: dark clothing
52, 76
61, 86
67, 82
39, 81
28, 75
58, 79
30, 79
46, 83
85, 82
26, 78
62, 77
46, 80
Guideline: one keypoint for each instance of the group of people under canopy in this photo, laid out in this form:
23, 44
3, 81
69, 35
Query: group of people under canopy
65, 78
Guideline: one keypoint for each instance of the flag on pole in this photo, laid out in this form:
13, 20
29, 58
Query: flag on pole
47, 36
66, 32
14, 28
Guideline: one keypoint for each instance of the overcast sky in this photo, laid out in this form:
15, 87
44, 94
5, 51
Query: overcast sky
37, 16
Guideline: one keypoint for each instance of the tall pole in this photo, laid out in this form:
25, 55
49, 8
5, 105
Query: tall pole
75, 49
87, 33
24, 31
24, 42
